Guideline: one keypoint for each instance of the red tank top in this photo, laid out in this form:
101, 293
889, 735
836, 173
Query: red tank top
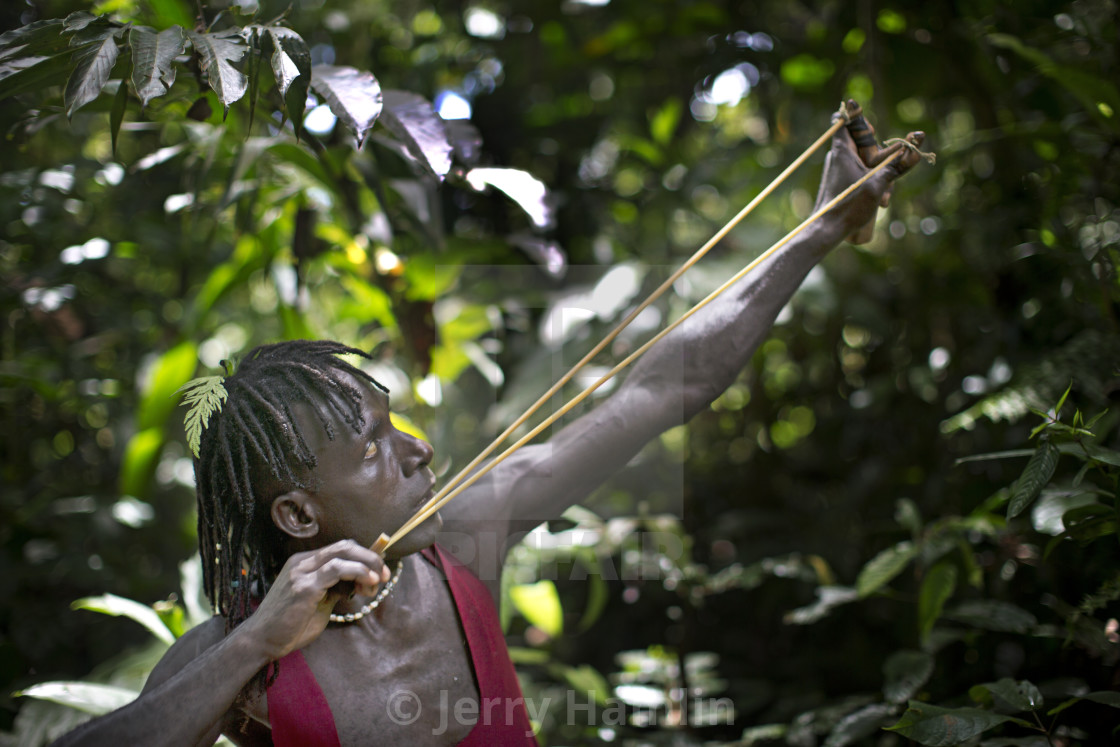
300, 716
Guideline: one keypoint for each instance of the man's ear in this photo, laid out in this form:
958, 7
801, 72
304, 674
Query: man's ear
296, 513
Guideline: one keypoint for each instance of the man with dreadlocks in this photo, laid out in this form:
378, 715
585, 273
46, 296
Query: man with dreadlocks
318, 640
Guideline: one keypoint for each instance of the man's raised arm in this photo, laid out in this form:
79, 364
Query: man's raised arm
682, 373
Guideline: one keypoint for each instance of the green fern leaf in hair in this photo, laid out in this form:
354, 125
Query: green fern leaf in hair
204, 397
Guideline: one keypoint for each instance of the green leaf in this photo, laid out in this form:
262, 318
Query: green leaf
990, 614
138, 464
1035, 476
254, 73
33, 40
904, 673
116, 114
881, 569
828, 598
584, 680
413, 120
1021, 695
291, 66
938, 585
153, 73
111, 604
33, 57
806, 72
1105, 697
1091, 90
354, 96
862, 723
204, 397
908, 516
93, 60
217, 52
85, 696
664, 121
173, 369
540, 605
943, 727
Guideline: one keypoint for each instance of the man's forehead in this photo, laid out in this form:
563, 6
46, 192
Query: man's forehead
309, 414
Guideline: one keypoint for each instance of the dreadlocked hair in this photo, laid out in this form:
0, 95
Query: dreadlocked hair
253, 451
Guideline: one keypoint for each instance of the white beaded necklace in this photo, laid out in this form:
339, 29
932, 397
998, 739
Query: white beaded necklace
382, 593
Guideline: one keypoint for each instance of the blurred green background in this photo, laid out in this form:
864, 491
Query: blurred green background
989, 289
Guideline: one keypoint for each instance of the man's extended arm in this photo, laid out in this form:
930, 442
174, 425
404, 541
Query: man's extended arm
676, 378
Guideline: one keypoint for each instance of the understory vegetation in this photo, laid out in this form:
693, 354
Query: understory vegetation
900, 525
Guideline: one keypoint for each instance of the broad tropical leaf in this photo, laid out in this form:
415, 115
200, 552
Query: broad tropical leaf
540, 604
992, 614
217, 52
905, 672
1035, 476
85, 696
882, 568
204, 397
353, 96
153, 73
111, 604
93, 60
1021, 695
413, 120
862, 723
526, 190
32, 40
942, 727
33, 56
291, 66
937, 587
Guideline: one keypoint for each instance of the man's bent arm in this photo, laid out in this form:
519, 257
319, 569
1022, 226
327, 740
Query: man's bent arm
187, 695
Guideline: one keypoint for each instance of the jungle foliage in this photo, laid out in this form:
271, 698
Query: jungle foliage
901, 523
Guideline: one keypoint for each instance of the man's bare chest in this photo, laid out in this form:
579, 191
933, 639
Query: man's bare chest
406, 677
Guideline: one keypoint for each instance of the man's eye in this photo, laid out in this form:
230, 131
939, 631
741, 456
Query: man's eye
371, 450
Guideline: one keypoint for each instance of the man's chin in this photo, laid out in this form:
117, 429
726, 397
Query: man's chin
419, 538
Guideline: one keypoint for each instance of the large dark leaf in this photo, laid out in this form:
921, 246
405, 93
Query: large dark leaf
862, 723
1021, 695
882, 568
1035, 476
93, 60
291, 65
940, 727
41, 38
353, 95
153, 73
413, 120
217, 52
937, 587
526, 190
905, 672
22, 74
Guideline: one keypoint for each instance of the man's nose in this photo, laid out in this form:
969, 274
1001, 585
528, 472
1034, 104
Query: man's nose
418, 452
